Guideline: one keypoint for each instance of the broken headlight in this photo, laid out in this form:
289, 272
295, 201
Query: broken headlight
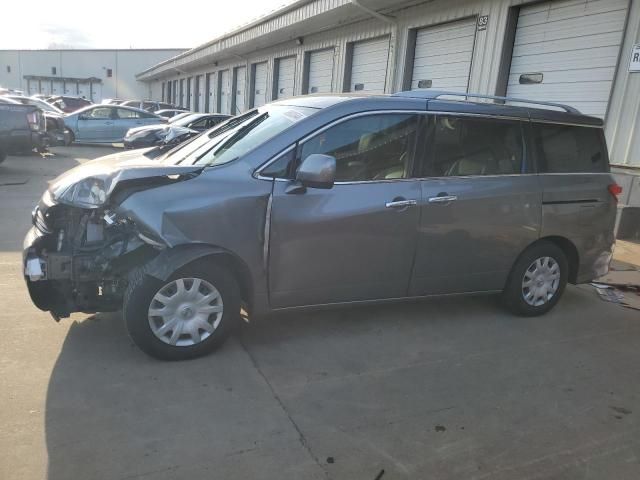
88, 193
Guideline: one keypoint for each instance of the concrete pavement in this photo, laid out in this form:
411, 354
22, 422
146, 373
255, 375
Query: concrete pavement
446, 389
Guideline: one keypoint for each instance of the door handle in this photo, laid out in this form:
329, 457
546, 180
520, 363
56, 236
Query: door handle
108, 123
443, 199
401, 203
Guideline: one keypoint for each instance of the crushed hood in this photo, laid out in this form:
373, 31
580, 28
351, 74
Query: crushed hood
147, 128
117, 168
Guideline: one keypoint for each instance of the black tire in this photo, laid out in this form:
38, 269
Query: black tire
513, 295
3, 155
72, 138
141, 290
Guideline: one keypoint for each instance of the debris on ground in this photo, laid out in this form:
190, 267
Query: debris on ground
615, 293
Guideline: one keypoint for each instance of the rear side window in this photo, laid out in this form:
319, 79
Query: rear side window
466, 146
569, 149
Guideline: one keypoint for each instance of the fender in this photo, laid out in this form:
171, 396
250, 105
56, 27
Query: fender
172, 259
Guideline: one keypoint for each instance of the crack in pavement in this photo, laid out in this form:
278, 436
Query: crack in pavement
301, 438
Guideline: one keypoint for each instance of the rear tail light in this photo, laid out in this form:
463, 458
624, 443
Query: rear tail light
34, 120
615, 190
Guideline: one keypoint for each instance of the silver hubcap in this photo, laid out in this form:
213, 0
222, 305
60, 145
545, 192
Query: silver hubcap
185, 312
540, 282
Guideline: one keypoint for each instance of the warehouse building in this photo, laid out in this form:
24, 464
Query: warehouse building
92, 74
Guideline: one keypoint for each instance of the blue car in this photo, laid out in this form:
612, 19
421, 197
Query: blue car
107, 123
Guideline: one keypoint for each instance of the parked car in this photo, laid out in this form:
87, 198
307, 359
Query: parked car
170, 112
57, 131
68, 104
112, 101
22, 128
107, 123
324, 200
185, 127
148, 105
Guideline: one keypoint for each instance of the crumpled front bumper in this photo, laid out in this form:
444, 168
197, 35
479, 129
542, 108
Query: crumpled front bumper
43, 293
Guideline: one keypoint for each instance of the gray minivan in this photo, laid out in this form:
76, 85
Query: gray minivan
323, 200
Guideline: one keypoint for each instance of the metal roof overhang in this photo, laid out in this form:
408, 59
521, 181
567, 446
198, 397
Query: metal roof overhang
298, 19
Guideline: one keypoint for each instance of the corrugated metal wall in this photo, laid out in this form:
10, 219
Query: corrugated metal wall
622, 125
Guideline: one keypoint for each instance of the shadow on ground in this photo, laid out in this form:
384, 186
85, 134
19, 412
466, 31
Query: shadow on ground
449, 388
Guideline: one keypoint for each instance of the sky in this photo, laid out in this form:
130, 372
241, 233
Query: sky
127, 23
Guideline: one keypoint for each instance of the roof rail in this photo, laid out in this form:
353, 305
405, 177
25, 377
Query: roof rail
434, 94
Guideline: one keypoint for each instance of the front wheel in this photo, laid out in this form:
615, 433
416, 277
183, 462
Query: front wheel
187, 316
537, 280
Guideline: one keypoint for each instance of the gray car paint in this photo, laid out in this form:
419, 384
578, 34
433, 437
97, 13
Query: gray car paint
342, 245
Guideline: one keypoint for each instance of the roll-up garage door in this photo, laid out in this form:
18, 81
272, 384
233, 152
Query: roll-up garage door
198, 104
83, 90
259, 94
567, 52
239, 88
57, 87
320, 71
286, 77
369, 65
443, 56
34, 87
223, 92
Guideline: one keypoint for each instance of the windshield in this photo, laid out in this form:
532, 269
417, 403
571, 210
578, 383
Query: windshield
239, 135
179, 116
184, 121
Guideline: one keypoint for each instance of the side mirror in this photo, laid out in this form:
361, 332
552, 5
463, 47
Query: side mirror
317, 171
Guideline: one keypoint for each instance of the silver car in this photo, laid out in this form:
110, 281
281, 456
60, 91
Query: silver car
324, 200
107, 123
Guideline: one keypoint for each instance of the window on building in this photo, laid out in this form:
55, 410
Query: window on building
109, 72
54, 71
465, 146
8, 68
569, 149
372, 147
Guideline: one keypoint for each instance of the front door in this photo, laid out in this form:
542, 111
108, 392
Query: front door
479, 208
95, 124
355, 241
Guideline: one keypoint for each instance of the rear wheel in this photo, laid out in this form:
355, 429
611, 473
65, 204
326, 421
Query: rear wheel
187, 316
3, 155
537, 280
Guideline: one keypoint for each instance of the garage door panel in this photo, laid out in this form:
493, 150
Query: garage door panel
461, 34
369, 65
575, 45
570, 45
570, 32
597, 57
443, 55
320, 75
572, 76
442, 59
286, 77
260, 85
567, 92
240, 84
543, 13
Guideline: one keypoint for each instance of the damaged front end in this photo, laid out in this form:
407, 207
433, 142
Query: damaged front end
79, 251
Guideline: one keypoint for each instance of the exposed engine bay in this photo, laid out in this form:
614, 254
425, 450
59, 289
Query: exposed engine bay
82, 258
80, 250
